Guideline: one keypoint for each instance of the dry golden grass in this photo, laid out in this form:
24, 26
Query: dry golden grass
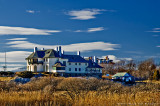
6, 78
150, 81
92, 98
77, 92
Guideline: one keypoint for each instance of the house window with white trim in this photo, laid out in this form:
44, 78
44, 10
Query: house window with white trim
70, 69
47, 68
46, 59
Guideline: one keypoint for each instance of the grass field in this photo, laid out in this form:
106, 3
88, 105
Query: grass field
52, 91
6, 78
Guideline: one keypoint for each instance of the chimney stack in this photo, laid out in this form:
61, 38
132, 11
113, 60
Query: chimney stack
63, 52
35, 49
78, 53
95, 59
60, 52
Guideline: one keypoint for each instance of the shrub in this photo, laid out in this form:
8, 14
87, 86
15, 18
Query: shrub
25, 74
156, 75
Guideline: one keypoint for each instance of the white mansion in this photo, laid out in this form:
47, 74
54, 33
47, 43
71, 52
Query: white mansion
55, 61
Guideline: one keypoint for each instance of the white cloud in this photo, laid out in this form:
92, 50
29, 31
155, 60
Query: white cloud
13, 65
85, 14
95, 29
157, 46
32, 11
18, 39
14, 56
155, 30
7, 30
70, 48
91, 29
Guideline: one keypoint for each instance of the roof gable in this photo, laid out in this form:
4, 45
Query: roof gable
50, 53
74, 58
92, 64
121, 74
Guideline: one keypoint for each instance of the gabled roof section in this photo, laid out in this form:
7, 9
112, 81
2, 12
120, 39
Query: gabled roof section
37, 54
92, 64
121, 74
74, 58
58, 64
50, 53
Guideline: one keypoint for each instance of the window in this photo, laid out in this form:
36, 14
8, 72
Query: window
75, 69
46, 68
28, 68
79, 69
35, 68
86, 64
35, 60
79, 63
69, 63
69, 69
75, 63
46, 59
64, 63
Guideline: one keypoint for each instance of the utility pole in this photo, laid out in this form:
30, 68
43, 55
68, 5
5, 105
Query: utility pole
5, 66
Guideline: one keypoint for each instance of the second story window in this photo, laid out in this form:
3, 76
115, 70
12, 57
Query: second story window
86, 64
69, 69
75, 69
64, 63
69, 63
79, 69
79, 63
46, 60
35, 60
75, 63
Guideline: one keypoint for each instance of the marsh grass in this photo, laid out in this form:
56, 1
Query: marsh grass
49, 91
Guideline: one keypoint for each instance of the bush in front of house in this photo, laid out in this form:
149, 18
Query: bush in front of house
6, 73
25, 74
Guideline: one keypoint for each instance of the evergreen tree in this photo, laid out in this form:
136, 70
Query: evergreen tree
156, 75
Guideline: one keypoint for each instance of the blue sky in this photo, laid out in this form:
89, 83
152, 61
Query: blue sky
122, 29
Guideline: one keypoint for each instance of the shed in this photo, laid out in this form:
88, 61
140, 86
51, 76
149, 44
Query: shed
123, 76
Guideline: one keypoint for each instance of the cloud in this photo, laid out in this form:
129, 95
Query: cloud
95, 29
7, 30
32, 11
18, 39
157, 46
15, 59
155, 30
155, 35
70, 48
13, 65
91, 29
14, 56
85, 14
